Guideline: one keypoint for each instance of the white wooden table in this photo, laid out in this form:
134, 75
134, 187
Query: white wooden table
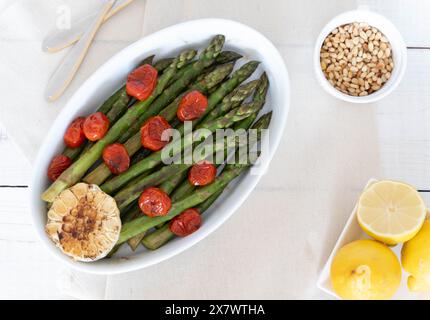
276, 244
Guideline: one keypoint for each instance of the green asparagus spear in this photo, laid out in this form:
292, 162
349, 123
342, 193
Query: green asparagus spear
227, 56
138, 156
228, 86
129, 215
73, 153
134, 242
118, 108
260, 94
171, 93
144, 223
133, 144
162, 64
158, 238
208, 82
186, 188
133, 189
167, 186
163, 235
232, 100
155, 158
238, 77
262, 88
147, 60
107, 105
202, 207
75, 172
225, 88
224, 57
112, 108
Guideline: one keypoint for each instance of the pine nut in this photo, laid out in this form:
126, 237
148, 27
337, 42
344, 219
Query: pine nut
356, 59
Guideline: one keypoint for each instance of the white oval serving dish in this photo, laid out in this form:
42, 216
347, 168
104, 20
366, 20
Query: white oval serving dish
167, 42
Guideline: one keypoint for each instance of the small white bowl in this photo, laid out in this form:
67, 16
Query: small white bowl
398, 46
167, 42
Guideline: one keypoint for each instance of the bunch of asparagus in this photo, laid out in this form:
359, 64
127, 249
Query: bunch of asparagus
210, 74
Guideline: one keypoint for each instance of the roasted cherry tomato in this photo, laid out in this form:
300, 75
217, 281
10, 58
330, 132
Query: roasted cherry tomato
151, 133
141, 82
74, 135
58, 164
154, 202
202, 173
95, 126
186, 222
116, 158
192, 106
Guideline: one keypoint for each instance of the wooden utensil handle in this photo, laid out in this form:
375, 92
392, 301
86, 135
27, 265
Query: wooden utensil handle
59, 40
71, 63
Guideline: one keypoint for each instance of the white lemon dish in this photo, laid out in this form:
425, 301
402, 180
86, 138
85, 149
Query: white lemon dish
352, 232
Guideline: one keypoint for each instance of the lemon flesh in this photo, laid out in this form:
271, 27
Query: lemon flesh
391, 212
416, 259
365, 270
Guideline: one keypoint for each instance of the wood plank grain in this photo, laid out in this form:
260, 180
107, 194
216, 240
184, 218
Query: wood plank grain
283, 22
387, 139
14, 167
328, 152
28, 271
407, 16
290, 22
20, 41
15, 221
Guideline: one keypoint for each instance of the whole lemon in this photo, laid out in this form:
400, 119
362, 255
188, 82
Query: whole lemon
365, 270
416, 259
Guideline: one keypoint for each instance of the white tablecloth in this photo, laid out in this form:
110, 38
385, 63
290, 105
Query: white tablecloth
276, 244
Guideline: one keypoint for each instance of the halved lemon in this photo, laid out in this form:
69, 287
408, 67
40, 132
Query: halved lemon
391, 212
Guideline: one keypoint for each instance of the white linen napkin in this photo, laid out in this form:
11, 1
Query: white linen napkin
24, 73
26, 69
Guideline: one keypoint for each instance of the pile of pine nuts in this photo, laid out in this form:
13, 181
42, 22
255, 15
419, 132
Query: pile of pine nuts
356, 59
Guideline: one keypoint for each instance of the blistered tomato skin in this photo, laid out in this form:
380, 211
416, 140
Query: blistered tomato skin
58, 164
154, 202
74, 135
202, 173
192, 106
141, 82
186, 223
151, 133
96, 126
116, 157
